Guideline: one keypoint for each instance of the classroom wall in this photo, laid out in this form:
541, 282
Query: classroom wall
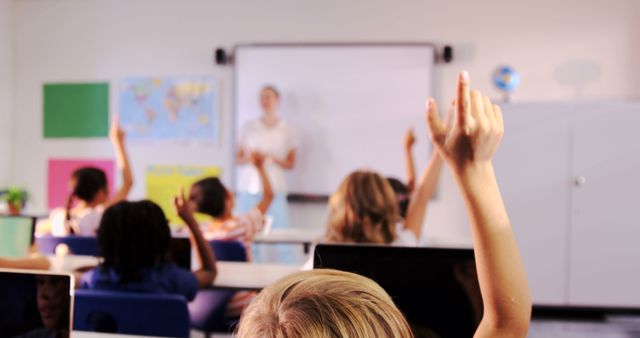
6, 88
571, 49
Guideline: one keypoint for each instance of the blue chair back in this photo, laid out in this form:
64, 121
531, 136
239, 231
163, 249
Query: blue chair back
160, 315
78, 245
230, 251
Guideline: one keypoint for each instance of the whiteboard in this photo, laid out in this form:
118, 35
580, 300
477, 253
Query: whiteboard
349, 104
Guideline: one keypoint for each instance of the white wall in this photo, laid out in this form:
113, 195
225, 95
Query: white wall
6, 88
563, 49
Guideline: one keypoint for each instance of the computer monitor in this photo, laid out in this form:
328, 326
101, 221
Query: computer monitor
16, 235
437, 289
35, 304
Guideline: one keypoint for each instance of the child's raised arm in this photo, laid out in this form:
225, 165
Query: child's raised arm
468, 149
207, 272
409, 141
426, 188
257, 159
420, 200
117, 137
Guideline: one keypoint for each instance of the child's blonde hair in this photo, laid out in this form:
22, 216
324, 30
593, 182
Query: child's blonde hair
323, 303
364, 209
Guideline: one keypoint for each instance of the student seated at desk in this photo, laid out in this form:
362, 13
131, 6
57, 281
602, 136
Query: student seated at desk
328, 304
134, 240
365, 209
209, 196
89, 187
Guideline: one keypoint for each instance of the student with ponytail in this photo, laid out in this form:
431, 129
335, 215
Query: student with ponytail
89, 195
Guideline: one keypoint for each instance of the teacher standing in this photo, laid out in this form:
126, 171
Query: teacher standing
273, 137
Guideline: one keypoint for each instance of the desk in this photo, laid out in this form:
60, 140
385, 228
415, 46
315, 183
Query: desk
231, 275
306, 237
244, 276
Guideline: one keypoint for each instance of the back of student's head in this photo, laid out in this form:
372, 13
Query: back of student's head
364, 209
323, 303
133, 236
87, 182
402, 194
86, 185
209, 196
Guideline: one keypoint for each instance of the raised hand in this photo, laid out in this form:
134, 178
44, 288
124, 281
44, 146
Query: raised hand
477, 128
183, 208
409, 139
116, 133
257, 159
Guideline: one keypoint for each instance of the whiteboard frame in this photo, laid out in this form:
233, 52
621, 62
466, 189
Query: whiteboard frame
310, 198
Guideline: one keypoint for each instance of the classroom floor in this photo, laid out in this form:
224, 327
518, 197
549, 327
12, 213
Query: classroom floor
612, 327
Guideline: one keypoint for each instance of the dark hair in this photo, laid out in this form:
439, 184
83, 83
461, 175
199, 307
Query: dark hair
86, 182
133, 236
272, 88
402, 194
209, 195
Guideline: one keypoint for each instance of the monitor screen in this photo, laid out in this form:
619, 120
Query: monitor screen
35, 304
436, 289
16, 235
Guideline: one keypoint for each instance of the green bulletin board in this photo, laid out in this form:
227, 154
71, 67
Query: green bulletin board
76, 110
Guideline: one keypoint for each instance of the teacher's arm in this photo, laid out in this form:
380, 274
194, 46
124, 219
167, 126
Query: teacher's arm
287, 163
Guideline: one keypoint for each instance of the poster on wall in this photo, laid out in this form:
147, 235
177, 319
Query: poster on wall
163, 183
170, 108
75, 110
59, 173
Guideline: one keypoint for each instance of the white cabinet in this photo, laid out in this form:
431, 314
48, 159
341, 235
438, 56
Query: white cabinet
532, 170
570, 177
605, 218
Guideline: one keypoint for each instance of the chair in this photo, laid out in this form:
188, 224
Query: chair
207, 309
78, 245
229, 251
162, 315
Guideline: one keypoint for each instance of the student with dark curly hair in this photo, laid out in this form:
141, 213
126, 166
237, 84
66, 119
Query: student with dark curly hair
134, 240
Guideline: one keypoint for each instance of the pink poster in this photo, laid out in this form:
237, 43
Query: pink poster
59, 173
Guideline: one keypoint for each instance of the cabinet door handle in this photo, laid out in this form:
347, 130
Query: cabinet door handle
579, 181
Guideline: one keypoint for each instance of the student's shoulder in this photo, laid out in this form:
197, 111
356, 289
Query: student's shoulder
179, 280
57, 212
173, 271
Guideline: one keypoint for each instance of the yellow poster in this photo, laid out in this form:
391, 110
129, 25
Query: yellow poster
164, 182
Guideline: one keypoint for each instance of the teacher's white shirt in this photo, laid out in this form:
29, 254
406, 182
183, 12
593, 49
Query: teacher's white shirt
276, 141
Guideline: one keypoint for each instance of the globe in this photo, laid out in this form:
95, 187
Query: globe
506, 78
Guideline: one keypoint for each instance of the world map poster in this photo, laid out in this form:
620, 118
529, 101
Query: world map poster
170, 108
